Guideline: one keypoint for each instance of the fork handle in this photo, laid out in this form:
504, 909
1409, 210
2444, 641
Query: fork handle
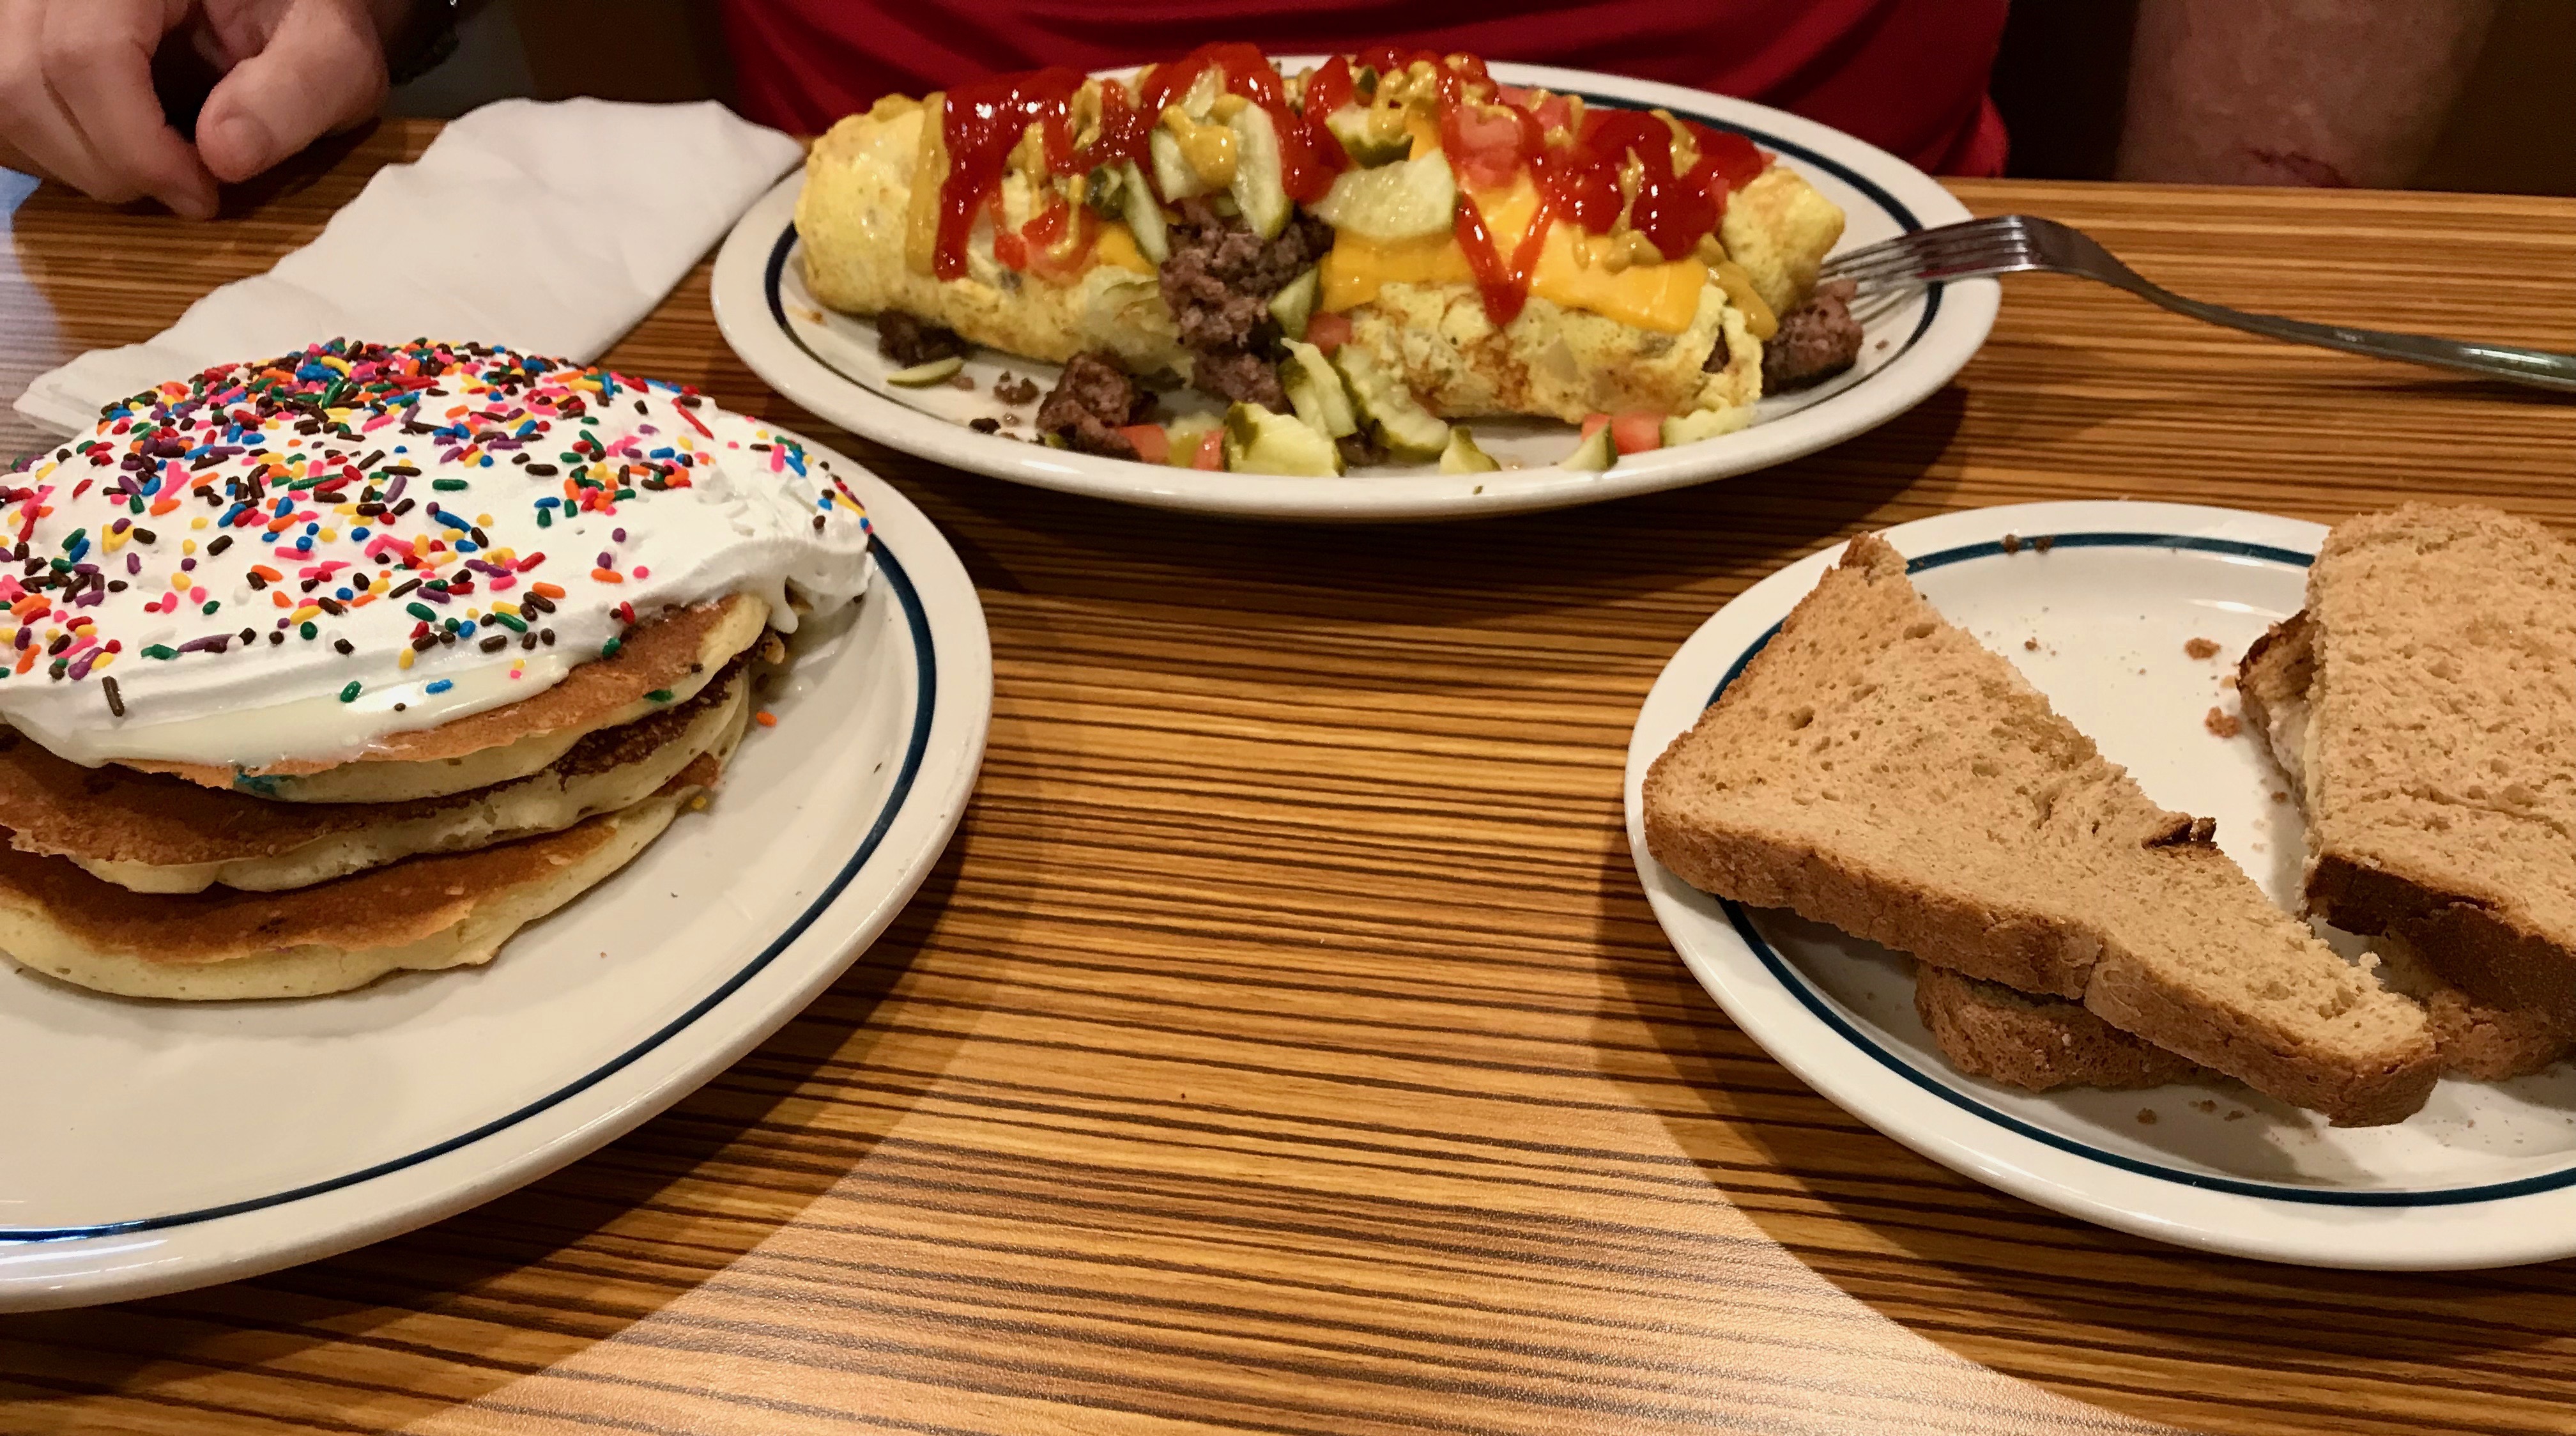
2536, 367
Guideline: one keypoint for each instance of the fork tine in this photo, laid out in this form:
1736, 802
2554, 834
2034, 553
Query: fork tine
1951, 253
1975, 231
1918, 242
1944, 256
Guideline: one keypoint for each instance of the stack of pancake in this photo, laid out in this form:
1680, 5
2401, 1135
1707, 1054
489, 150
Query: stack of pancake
297, 697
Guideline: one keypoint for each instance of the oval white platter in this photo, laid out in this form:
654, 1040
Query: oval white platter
829, 363
158, 1146
2484, 1176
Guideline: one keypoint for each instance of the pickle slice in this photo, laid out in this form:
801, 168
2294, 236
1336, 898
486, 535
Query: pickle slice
1411, 200
1463, 457
1593, 455
1294, 304
922, 376
1402, 424
1258, 441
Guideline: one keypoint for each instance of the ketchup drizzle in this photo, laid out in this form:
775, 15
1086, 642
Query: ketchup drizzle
1309, 156
1577, 179
1505, 288
982, 120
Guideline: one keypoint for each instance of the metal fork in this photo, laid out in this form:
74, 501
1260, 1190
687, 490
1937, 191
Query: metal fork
2012, 243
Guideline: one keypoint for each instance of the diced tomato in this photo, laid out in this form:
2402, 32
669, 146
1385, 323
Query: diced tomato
1487, 143
1634, 431
1328, 331
1050, 254
1592, 425
1153, 445
1211, 454
1010, 251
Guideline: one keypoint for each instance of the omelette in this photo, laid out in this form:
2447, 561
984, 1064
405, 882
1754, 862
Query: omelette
1349, 257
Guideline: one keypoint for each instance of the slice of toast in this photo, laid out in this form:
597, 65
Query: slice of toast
2044, 1043
1875, 768
2436, 748
2038, 1044
2394, 852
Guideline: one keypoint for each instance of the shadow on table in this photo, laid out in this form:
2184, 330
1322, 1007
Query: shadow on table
2148, 1330
459, 1309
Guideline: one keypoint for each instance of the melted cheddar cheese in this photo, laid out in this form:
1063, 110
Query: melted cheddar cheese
1660, 297
1116, 247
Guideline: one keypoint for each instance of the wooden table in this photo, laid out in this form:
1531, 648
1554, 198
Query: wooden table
1284, 1046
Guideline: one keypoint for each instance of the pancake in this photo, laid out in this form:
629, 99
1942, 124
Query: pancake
155, 834
373, 573
674, 654
425, 913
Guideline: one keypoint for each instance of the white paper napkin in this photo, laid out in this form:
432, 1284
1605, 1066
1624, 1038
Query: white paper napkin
548, 227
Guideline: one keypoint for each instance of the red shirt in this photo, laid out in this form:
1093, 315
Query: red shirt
1906, 75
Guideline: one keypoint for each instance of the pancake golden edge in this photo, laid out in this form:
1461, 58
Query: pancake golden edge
677, 652
423, 914
152, 834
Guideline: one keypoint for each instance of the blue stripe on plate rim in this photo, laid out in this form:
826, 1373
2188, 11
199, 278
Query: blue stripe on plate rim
1876, 193
914, 751
1815, 1002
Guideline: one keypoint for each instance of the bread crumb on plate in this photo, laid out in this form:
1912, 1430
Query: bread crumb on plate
2201, 648
2223, 723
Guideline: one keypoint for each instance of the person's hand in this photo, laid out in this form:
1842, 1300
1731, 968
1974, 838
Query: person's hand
77, 102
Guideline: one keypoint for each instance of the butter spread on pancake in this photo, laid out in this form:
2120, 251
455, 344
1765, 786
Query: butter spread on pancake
298, 558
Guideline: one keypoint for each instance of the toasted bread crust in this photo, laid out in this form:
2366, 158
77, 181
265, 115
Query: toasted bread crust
2474, 947
2128, 997
2037, 1044
2021, 950
2283, 661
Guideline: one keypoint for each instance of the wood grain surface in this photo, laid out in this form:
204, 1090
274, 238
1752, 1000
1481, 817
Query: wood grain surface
1284, 1044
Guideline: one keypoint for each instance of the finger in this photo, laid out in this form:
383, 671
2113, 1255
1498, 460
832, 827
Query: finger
35, 136
12, 159
321, 68
98, 64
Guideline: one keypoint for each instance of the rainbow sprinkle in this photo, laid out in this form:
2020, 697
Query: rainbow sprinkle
306, 477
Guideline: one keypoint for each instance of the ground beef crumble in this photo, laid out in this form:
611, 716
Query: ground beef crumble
1094, 400
1239, 375
1218, 282
906, 340
1815, 341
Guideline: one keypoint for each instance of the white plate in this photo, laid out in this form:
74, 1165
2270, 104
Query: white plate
829, 363
150, 1147
2485, 1175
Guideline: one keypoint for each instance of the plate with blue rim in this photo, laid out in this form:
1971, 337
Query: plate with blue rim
1915, 343
156, 1146
2098, 604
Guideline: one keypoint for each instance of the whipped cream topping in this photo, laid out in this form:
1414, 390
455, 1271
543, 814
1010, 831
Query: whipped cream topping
295, 558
